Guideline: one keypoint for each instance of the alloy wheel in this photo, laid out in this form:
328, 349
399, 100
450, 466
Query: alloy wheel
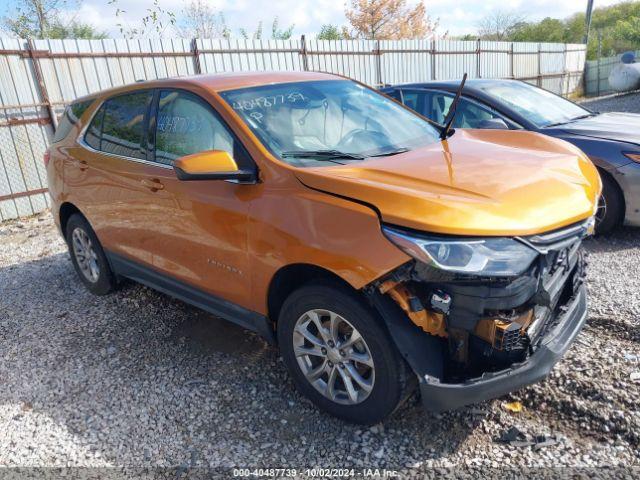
333, 357
85, 255
601, 211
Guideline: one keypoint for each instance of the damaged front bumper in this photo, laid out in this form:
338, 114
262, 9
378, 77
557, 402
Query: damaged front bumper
437, 396
471, 338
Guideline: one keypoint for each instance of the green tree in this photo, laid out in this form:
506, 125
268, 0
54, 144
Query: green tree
46, 19
628, 30
200, 20
329, 32
547, 30
617, 27
499, 25
155, 22
74, 29
276, 33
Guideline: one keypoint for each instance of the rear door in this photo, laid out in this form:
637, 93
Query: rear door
199, 228
105, 180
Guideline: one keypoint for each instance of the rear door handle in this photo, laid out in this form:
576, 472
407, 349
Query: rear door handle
154, 185
81, 164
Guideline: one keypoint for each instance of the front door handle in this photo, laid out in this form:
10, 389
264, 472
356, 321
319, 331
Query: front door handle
154, 185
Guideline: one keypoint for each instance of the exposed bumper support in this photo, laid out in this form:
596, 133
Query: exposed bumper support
438, 396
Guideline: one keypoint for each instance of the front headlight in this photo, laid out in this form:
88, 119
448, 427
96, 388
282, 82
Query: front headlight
492, 257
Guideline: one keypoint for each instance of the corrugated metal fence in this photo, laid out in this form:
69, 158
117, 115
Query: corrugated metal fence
38, 78
596, 75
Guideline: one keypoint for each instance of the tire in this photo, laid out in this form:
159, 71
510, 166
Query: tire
92, 267
612, 202
389, 378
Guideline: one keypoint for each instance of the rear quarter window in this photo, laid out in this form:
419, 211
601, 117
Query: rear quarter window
119, 126
69, 118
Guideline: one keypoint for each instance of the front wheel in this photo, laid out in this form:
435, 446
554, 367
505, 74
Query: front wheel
340, 356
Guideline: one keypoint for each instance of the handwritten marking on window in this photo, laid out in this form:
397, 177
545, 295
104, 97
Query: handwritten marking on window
257, 116
269, 101
178, 124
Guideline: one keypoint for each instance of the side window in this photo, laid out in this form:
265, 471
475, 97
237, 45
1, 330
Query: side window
186, 124
469, 114
123, 125
69, 118
440, 105
94, 132
418, 101
395, 94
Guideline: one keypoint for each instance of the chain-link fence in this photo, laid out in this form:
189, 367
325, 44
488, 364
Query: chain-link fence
38, 78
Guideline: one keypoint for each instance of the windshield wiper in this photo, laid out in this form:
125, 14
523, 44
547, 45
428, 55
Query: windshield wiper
579, 117
391, 152
587, 115
321, 154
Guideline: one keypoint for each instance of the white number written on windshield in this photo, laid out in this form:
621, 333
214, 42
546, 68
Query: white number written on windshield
269, 101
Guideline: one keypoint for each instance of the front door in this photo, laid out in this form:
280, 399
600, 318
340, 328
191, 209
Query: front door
199, 227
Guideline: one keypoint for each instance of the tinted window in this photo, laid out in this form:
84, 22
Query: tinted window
418, 101
395, 94
92, 137
186, 124
469, 114
69, 118
123, 125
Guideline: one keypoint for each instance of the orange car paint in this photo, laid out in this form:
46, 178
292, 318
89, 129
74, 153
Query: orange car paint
230, 239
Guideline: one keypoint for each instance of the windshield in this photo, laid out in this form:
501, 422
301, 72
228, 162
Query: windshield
305, 123
540, 107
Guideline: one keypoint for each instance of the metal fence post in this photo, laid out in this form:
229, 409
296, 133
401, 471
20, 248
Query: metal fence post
303, 52
433, 59
378, 55
565, 78
511, 62
197, 68
478, 59
42, 89
599, 56
540, 65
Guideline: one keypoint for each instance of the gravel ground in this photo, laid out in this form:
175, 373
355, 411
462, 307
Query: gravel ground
139, 379
629, 102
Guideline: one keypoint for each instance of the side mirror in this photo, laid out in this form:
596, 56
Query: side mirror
493, 124
211, 165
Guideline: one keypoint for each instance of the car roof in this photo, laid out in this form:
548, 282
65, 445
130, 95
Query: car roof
471, 84
219, 82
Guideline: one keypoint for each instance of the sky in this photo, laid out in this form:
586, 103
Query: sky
456, 17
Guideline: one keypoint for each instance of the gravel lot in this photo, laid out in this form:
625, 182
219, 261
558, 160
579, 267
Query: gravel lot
629, 102
140, 379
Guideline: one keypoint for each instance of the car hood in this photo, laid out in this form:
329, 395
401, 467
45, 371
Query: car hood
621, 127
479, 182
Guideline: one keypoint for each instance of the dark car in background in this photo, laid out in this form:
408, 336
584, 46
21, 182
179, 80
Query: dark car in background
611, 140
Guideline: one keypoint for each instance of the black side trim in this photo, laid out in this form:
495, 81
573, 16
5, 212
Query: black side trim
242, 176
222, 308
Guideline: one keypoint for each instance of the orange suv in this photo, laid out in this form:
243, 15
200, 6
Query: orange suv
379, 254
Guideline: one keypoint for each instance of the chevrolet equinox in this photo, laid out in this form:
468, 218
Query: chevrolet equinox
377, 253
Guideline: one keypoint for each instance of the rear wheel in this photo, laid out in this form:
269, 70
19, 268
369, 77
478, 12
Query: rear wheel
88, 257
339, 355
610, 205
